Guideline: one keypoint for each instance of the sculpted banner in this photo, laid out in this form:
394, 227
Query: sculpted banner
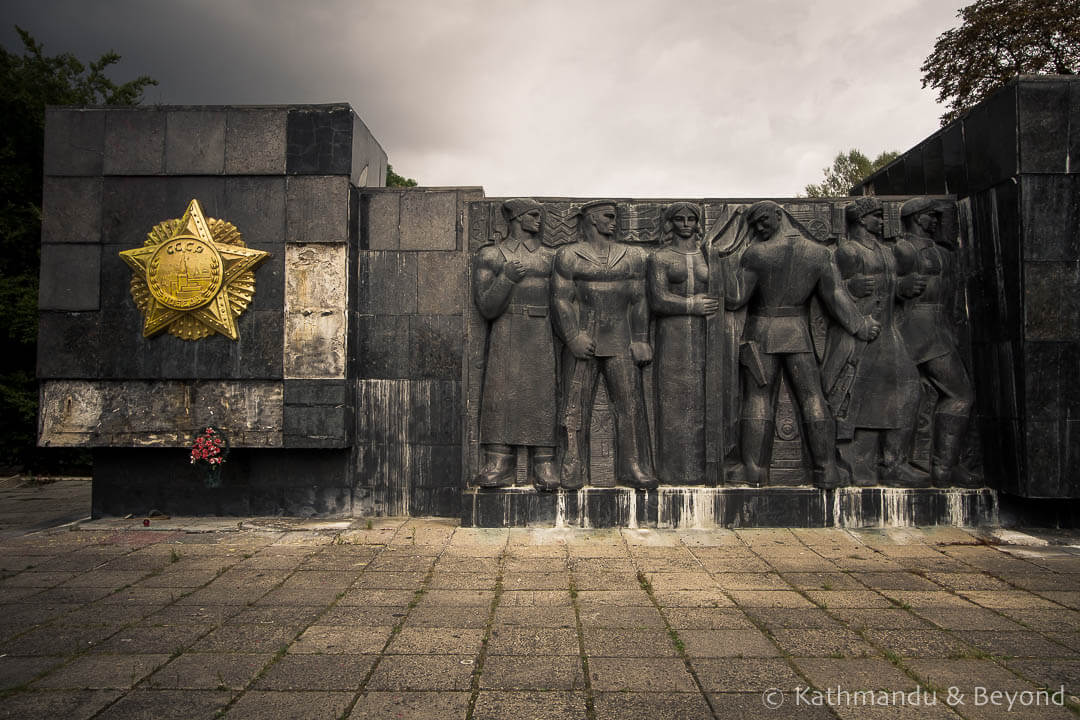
705, 343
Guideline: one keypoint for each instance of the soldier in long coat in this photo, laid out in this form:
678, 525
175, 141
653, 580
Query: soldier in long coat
511, 288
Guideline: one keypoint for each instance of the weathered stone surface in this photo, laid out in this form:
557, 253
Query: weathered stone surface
388, 283
71, 210
368, 157
1051, 301
195, 142
317, 209
429, 220
1043, 147
315, 343
74, 141
319, 140
315, 276
70, 277
440, 280
255, 141
135, 142
382, 211
158, 414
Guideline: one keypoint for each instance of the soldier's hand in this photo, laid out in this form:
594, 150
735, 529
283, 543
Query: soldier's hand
870, 330
582, 345
641, 352
513, 270
704, 305
912, 285
862, 285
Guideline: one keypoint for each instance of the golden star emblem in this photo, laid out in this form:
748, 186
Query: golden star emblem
193, 276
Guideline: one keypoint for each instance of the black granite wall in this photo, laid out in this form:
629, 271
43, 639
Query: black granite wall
1013, 161
288, 178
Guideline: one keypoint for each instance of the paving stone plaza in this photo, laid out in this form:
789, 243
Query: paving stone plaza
420, 618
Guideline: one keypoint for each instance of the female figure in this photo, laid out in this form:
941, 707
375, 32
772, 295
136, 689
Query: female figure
678, 280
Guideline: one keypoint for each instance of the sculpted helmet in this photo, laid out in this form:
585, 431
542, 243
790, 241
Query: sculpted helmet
862, 207
516, 207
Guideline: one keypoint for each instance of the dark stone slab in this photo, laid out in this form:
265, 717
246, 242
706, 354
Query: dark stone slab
315, 392
134, 142
316, 426
71, 210
260, 346
70, 277
368, 157
954, 154
1043, 126
256, 206
388, 283
933, 151
898, 177
380, 214
687, 508
195, 142
1074, 125
131, 207
255, 141
440, 283
1051, 390
317, 209
435, 346
74, 141
435, 502
408, 411
1051, 213
429, 220
68, 345
209, 191
319, 141
382, 347
1051, 301
990, 140
1044, 451
915, 171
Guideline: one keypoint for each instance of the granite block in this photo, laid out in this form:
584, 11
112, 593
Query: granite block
70, 277
395, 411
990, 140
368, 157
1044, 455
315, 276
898, 177
1043, 126
381, 214
208, 190
315, 343
952, 146
74, 141
914, 171
71, 210
269, 278
134, 142
317, 209
440, 283
315, 426
934, 165
318, 140
388, 283
115, 286
255, 141
315, 392
1051, 300
195, 142
68, 345
1051, 391
1074, 132
382, 349
1051, 213
435, 346
256, 206
132, 206
429, 220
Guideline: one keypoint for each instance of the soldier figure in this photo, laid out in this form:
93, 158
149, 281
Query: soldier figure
777, 276
598, 296
873, 388
511, 287
929, 335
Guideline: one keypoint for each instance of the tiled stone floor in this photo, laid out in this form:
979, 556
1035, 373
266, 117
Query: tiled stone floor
422, 619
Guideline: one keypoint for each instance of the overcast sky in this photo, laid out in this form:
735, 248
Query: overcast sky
645, 98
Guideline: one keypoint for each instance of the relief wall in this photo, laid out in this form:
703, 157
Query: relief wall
711, 343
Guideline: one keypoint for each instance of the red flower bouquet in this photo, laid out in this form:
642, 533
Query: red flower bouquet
210, 448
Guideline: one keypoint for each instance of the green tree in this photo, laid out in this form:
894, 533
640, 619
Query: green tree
848, 169
29, 82
395, 180
997, 40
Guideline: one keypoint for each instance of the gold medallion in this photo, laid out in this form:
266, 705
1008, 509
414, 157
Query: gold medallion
193, 276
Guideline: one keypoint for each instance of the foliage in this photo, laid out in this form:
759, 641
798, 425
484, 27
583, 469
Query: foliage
848, 169
997, 40
395, 180
29, 82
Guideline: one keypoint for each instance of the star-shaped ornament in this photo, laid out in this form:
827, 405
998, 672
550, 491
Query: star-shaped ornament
193, 276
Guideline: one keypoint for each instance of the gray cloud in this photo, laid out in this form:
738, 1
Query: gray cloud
633, 98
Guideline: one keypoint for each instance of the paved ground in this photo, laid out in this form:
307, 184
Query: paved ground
27, 505
421, 619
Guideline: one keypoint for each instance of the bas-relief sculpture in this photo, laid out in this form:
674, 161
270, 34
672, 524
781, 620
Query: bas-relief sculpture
599, 309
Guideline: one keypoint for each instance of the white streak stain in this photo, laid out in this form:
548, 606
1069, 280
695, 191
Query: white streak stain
631, 503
